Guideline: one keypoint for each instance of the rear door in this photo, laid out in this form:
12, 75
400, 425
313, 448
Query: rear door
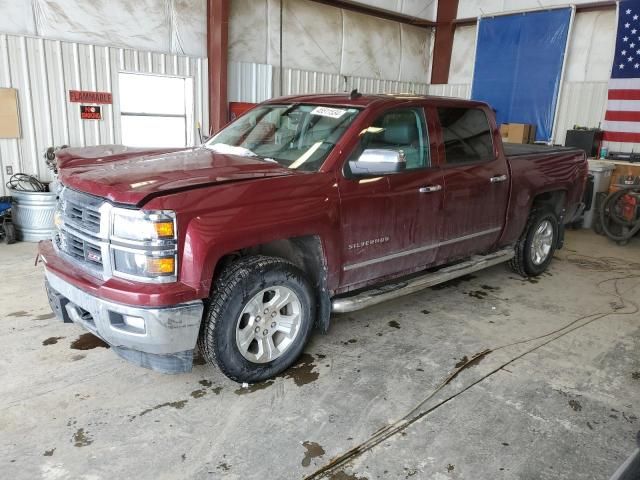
391, 223
476, 183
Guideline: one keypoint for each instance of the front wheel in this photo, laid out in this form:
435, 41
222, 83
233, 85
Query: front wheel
535, 249
259, 319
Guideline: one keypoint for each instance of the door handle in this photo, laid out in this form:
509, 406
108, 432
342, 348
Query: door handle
430, 189
498, 178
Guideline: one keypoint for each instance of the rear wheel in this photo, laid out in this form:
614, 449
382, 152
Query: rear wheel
535, 249
259, 319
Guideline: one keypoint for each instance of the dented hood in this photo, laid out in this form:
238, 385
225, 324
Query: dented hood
132, 175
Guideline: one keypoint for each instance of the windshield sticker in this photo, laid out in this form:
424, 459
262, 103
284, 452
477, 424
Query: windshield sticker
328, 112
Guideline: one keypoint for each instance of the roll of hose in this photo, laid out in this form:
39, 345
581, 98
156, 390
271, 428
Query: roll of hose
23, 182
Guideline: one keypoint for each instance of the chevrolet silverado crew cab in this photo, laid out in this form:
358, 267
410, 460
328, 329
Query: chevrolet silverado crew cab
303, 206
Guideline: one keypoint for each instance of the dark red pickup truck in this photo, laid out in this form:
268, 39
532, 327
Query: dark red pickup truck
303, 206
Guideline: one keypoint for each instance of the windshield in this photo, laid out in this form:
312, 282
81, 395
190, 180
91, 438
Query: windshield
295, 136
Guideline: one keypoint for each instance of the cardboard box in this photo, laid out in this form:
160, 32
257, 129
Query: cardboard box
518, 132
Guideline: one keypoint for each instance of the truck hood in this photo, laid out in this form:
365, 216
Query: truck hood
132, 175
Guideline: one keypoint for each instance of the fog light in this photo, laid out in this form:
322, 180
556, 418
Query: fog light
134, 322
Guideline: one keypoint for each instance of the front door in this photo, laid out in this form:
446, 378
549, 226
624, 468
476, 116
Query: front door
391, 223
476, 182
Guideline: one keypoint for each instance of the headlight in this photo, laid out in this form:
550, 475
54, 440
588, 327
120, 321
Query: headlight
144, 245
146, 265
141, 226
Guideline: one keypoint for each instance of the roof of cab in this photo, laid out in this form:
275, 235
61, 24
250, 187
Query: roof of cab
367, 100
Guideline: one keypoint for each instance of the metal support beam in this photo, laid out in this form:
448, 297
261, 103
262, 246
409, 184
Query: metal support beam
443, 45
378, 12
217, 54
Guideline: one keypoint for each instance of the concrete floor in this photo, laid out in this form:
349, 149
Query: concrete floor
557, 398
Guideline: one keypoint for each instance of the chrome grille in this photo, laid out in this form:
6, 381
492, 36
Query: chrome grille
79, 235
80, 210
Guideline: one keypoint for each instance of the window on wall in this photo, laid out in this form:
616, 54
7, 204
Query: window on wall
156, 111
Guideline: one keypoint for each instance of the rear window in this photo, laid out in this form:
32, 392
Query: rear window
467, 135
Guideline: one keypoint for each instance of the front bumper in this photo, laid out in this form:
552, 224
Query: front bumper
161, 338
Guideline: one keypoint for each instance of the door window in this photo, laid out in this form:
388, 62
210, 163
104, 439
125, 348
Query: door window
399, 130
466, 134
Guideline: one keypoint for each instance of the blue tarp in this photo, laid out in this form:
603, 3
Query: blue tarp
519, 65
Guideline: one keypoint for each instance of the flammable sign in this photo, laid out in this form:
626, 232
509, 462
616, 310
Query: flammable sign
90, 112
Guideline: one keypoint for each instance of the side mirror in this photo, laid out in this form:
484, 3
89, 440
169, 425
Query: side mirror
378, 162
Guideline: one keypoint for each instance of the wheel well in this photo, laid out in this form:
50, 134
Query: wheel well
554, 201
307, 254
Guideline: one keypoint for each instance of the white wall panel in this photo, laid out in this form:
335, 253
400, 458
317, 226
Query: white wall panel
475, 8
43, 72
16, 16
248, 27
176, 26
322, 38
463, 55
591, 47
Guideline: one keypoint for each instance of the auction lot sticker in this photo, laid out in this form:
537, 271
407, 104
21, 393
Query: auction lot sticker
328, 112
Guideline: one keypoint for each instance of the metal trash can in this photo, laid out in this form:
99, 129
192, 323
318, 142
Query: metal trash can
601, 171
33, 214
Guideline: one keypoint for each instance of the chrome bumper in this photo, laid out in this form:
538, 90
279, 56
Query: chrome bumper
141, 335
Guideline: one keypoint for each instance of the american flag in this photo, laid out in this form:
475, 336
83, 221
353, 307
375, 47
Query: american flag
622, 120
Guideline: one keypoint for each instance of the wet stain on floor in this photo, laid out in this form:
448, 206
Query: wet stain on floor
303, 372
253, 388
394, 324
450, 468
81, 438
88, 341
352, 340
575, 405
313, 450
51, 340
205, 383
224, 467
198, 393
179, 405
75, 358
46, 316
489, 288
635, 375
479, 294
19, 313
49, 453
454, 282
426, 312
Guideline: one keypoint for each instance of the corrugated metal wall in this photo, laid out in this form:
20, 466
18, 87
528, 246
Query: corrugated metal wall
451, 90
583, 104
43, 72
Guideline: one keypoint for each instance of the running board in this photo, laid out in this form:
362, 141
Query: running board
399, 289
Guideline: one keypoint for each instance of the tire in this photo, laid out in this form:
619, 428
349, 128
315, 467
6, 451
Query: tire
523, 262
243, 290
9, 233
